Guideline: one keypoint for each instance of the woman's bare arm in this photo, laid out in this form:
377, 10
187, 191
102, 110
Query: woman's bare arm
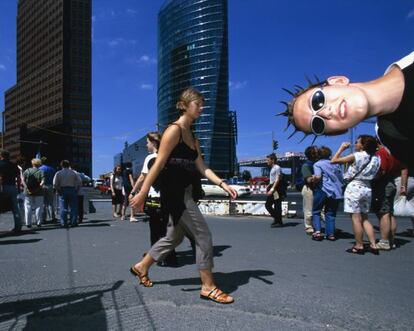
208, 173
337, 158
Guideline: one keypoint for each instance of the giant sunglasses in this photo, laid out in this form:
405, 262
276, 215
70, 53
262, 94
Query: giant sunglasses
317, 103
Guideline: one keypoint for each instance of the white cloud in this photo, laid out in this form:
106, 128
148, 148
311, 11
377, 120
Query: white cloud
121, 42
2, 67
123, 136
104, 15
147, 59
143, 60
411, 14
131, 12
147, 87
114, 42
111, 14
237, 85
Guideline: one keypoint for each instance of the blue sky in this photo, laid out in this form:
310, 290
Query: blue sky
272, 44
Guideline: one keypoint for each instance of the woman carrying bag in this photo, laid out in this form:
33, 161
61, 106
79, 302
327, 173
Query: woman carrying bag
357, 197
179, 162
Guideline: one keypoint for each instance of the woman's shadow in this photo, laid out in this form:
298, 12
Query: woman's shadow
188, 256
228, 282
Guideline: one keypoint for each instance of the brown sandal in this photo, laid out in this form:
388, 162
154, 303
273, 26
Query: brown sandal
144, 280
218, 296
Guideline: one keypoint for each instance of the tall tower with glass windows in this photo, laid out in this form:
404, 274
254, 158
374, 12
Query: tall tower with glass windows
193, 51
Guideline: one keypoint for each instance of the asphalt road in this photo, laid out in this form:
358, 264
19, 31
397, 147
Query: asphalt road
78, 279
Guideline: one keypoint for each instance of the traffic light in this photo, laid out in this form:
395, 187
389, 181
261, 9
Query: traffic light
275, 145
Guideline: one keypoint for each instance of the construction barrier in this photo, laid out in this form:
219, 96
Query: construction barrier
258, 189
237, 207
214, 207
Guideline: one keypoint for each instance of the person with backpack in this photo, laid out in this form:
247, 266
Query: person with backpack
48, 192
33, 189
328, 181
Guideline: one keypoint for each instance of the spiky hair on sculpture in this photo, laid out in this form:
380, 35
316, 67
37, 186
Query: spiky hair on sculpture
298, 91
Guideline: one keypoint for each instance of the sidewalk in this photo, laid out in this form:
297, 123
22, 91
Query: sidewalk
78, 279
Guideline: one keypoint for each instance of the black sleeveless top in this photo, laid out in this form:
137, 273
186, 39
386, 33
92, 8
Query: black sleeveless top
395, 130
179, 172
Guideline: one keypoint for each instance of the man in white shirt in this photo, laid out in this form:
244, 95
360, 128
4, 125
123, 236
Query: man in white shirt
274, 199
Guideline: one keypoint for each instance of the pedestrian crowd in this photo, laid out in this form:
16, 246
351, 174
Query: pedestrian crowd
373, 181
169, 185
31, 193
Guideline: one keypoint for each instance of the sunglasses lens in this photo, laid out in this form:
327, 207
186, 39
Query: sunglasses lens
318, 100
318, 125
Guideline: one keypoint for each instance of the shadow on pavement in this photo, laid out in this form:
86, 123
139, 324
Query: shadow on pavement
54, 226
187, 257
5, 234
79, 308
97, 221
407, 234
19, 241
341, 234
401, 242
290, 224
86, 225
228, 282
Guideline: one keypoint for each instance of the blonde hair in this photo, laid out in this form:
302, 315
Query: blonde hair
188, 95
36, 163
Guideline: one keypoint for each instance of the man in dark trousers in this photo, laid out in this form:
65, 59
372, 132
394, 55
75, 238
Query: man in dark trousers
67, 183
274, 195
9, 182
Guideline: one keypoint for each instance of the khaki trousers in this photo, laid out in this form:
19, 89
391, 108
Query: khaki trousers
307, 196
192, 222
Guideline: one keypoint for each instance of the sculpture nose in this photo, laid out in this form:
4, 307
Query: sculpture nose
326, 112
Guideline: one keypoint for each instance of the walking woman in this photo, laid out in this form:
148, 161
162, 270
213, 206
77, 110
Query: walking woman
178, 160
357, 197
116, 191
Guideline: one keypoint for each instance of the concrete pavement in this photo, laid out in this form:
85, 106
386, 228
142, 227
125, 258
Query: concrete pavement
78, 279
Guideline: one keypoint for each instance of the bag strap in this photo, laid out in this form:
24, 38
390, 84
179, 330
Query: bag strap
361, 170
181, 134
34, 173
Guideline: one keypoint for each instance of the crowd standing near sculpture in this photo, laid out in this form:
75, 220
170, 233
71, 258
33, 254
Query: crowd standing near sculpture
369, 180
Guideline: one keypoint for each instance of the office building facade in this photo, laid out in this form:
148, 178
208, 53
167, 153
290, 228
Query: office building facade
49, 110
193, 51
134, 153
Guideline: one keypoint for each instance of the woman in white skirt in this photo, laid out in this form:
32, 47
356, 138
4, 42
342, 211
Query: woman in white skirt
357, 197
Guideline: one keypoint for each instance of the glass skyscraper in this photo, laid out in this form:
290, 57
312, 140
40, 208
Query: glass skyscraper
193, 51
